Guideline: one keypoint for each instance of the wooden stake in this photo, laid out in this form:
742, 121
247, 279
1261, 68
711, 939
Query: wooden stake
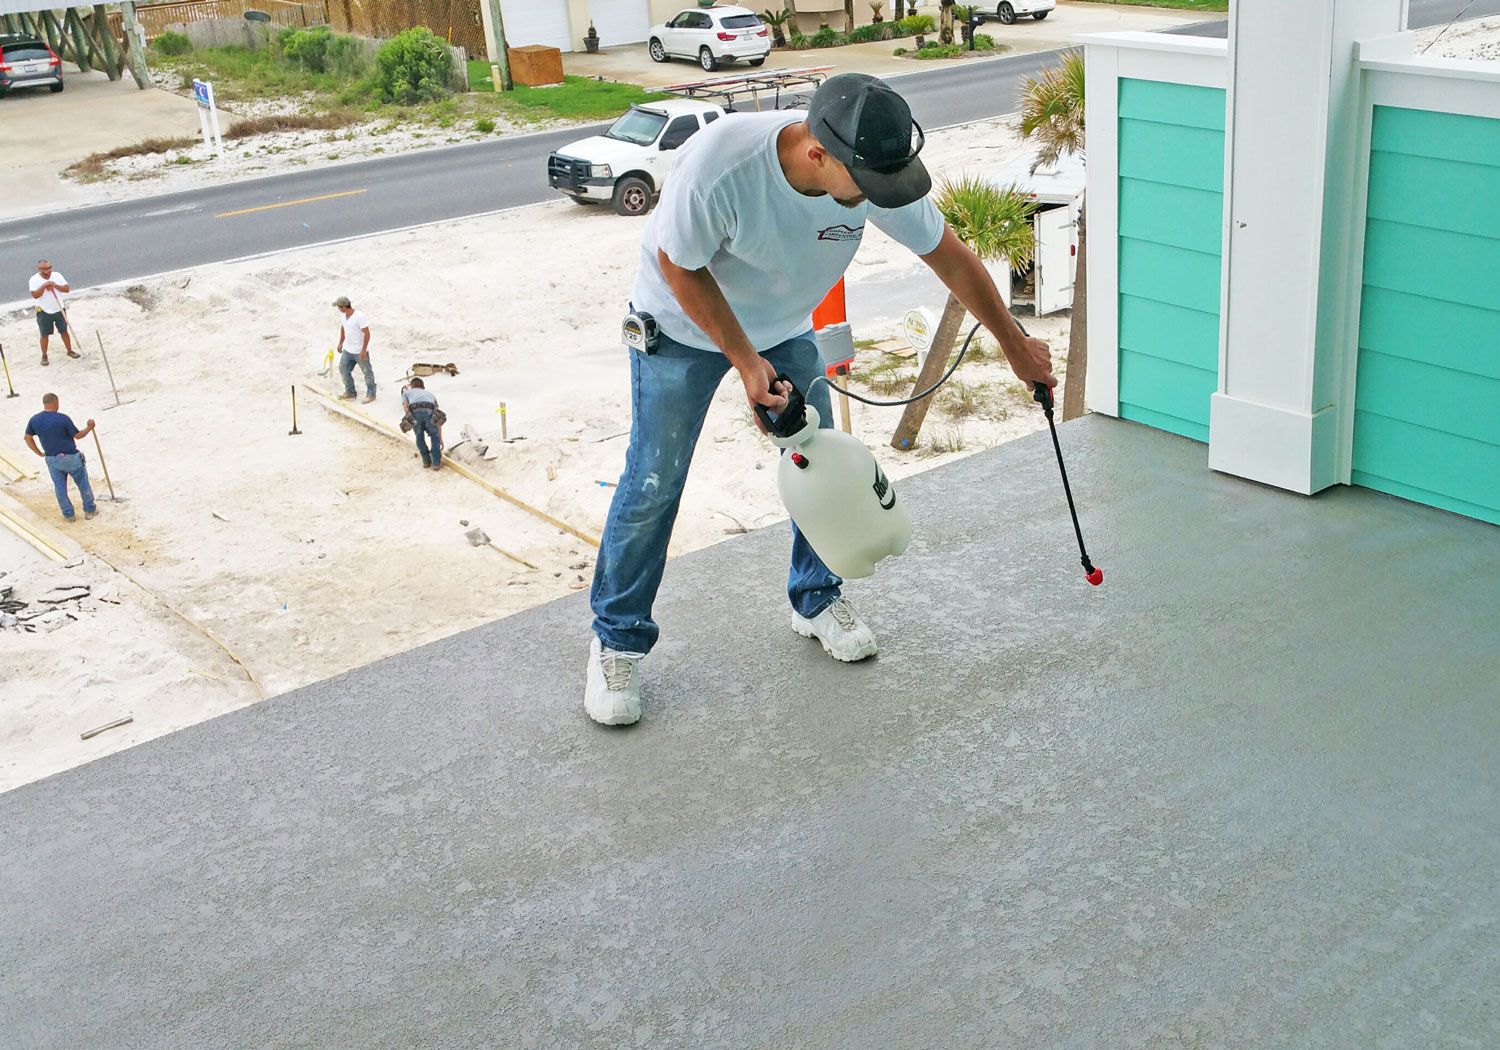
843, 373
116, 724
9, 385
109, 371
105, 467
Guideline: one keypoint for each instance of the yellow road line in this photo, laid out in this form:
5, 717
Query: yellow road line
381, 426
288, 204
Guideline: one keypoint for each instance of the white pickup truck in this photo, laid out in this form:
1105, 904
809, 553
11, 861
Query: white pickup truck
628, 163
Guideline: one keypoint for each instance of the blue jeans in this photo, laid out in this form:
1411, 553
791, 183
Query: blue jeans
670, 394
427, 431
347, 361
70, 465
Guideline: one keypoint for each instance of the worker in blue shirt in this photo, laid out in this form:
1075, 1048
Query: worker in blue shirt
59, 436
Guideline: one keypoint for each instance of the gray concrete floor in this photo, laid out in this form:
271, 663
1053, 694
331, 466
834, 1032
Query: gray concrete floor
1245, 794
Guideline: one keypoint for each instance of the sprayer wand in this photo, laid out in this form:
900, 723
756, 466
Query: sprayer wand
1043, 396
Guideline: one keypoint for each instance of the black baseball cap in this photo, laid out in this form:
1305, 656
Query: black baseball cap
868, 128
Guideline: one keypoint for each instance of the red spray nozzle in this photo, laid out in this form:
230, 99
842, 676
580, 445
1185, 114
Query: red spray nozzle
1095, 577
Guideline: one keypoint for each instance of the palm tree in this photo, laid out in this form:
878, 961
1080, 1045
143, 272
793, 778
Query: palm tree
996, 224
945, 21
1052, 113
777, 21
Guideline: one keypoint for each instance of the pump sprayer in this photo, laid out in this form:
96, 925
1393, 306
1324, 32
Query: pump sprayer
834, 489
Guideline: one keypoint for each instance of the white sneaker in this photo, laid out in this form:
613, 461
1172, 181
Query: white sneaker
844, 635
613, 696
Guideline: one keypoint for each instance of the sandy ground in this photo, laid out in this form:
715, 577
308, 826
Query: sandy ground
1478, 40
309, 555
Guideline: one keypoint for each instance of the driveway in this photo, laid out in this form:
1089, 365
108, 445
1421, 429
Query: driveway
42, 133
631, 64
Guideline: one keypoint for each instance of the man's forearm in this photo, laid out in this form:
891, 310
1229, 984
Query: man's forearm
703, 301
31, 444
968, 279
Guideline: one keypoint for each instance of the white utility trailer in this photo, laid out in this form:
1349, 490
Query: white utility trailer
1058, 192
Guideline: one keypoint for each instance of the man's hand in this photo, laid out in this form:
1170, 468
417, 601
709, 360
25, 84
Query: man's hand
364, 355
1032, 362
762, 389
90, 428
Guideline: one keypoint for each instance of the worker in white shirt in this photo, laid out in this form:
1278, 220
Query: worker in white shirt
47, 290
354, 347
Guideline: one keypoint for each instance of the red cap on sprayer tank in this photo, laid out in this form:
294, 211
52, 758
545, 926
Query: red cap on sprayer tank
1095, 576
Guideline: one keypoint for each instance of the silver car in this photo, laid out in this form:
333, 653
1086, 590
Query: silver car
28, 62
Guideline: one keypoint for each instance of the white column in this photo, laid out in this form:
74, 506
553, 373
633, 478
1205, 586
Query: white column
1290, 164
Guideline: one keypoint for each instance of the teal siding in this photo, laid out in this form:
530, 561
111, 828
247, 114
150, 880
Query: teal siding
1427, 399
1171, 234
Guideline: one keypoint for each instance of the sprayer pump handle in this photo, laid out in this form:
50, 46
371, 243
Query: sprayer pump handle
791, 419
1042, 394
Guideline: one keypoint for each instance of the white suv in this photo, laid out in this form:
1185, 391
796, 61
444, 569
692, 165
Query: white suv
1007, 11
712, 35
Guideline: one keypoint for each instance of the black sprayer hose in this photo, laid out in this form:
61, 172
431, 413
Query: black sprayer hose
915, 397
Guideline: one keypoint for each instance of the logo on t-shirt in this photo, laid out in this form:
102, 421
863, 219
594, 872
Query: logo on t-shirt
841, 233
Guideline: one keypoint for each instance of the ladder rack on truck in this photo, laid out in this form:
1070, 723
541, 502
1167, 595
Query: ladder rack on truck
749, 87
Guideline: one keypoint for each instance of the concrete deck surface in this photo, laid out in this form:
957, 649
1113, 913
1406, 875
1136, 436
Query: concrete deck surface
1245, 794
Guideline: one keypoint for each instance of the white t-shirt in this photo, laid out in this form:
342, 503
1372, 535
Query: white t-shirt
354, 333
775, 252
51, 301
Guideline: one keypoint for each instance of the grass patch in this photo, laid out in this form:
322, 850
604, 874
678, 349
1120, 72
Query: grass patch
92, 166
577, 98
942, 442
240, 74
332, 120
960, 400
1181, 5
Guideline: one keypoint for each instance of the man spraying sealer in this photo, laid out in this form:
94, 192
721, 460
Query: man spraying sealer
762, 216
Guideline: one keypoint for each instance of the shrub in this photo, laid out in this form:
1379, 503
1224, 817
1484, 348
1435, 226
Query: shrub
899, 51
870, 34
413, 66
984, 42
320, 50
826, 37
912, 25
484, 125
941, 51
172, 43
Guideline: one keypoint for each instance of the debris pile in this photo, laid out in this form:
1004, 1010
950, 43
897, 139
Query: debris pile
56, 607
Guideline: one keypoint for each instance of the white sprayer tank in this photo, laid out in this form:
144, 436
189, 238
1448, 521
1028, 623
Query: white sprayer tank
840, 498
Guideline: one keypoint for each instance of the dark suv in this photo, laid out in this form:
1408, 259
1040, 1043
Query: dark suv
26, 61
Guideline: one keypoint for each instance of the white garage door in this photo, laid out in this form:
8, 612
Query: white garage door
620, 21
539, 22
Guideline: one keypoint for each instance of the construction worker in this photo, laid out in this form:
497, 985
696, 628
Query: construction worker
762, 216
59, 436
47, 290
422, 409
354, 347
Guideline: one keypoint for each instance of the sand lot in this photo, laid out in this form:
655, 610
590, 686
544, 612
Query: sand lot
309, 555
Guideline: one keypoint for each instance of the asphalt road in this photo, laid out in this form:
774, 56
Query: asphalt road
131, 239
